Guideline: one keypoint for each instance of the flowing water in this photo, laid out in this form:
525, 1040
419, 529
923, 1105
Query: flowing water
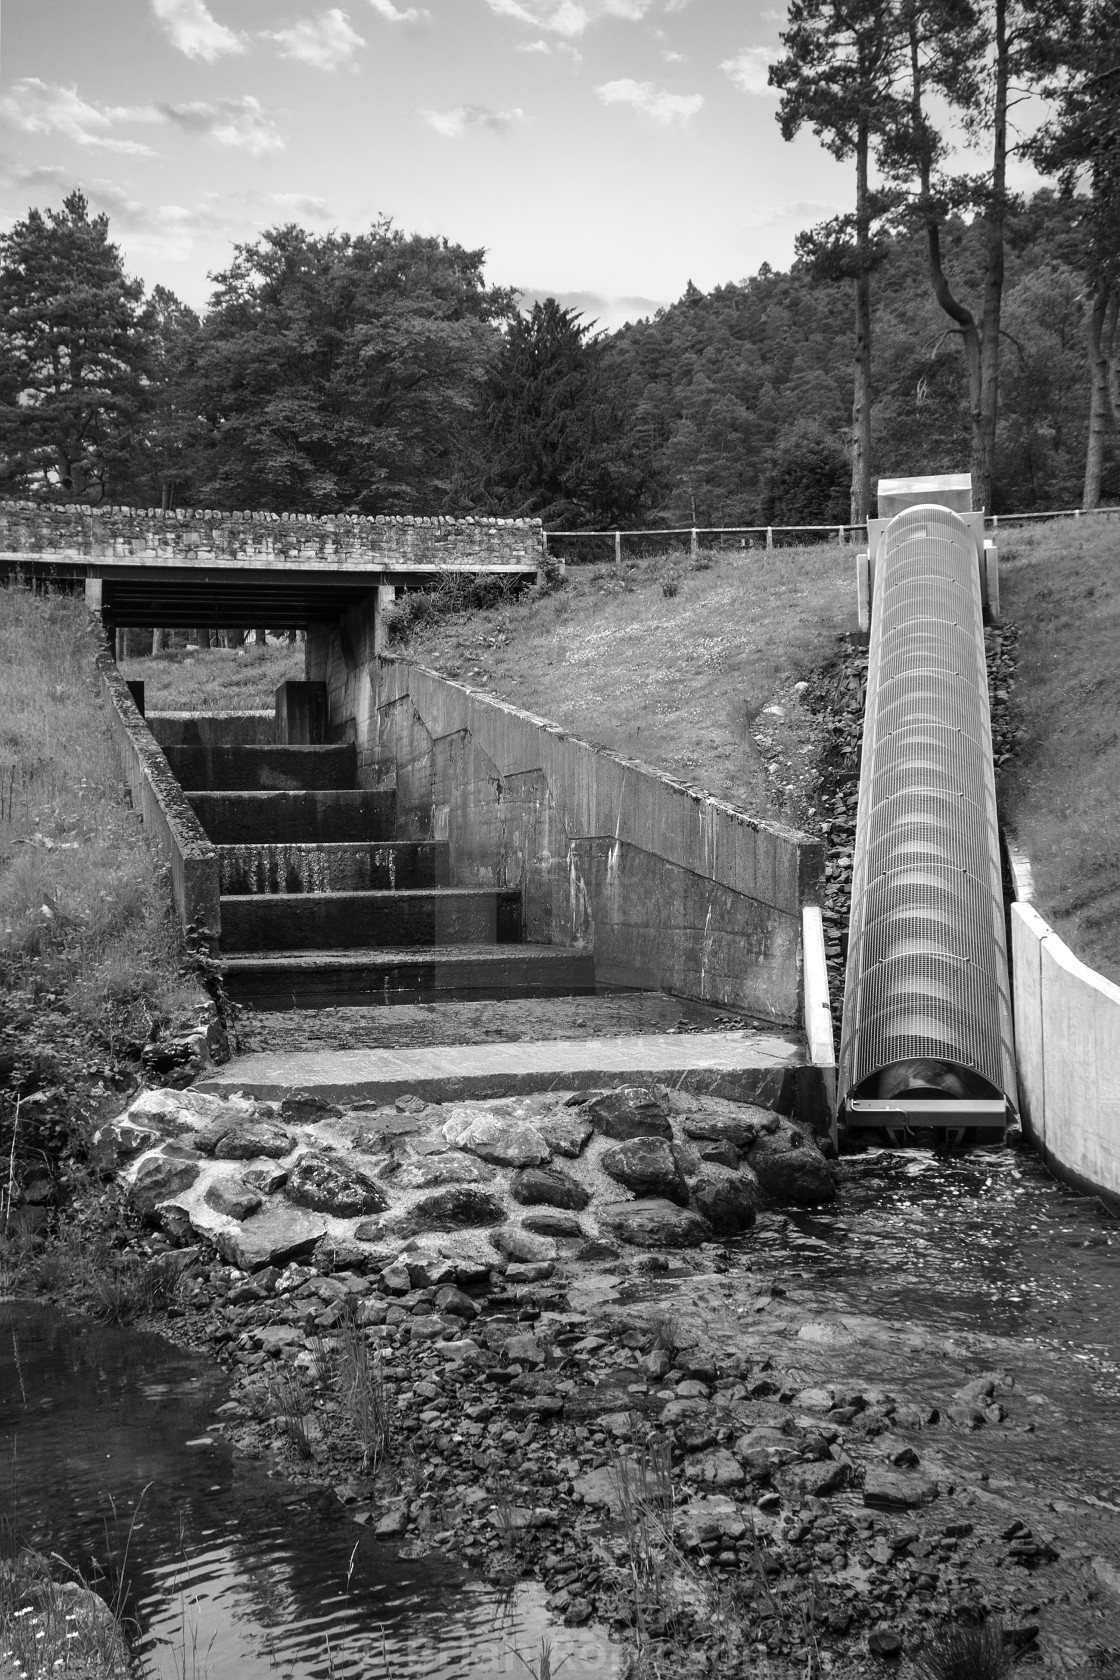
103, 1433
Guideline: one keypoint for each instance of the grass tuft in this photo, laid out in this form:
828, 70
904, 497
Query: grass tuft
966, 1653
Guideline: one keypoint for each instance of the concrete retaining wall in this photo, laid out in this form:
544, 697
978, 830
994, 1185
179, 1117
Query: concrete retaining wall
33, 529
171, 824
1067, 1029
672, 889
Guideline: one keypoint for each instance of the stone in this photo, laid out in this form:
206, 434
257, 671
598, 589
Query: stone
454, 1207
711, 1517
175, 1222
516, 1244
393, 1524
548, 1186
245, 1142
547, 1223
455, 1304
719, 1154
529, 1271
448, 1167
728, 1200
233, 1198
326, 1184
630, 1112
811, 1481
790, 1168
566, 1133
121, 1141
301, 1109
524, 1350
595, 1250
277, 1234
160, 1179
813, 1400
266, 1179
719, 1467
738, 1124
884, 1642
612, 1487
496, 1137
647, 1165
174, 1113
654, 1224
889, 1489
656, 1363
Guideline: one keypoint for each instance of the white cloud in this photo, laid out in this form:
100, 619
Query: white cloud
302, 206
652, 101
37, 107
462, 117
748, 70
803, 211
671, 56
195, 31
325, 43
569, 17
562, 49
411, 15
243, 123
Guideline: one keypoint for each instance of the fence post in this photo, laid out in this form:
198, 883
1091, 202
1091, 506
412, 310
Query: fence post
769, 536
840, 536
694, 544
618, 548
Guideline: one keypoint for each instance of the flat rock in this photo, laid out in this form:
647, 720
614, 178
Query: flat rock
741, 1125
719, 1467
266, 1179
811, 1481
327, 1184
173, 1113
630, 1112
890, 1489
496, 1137
654, 1224
566, 1133
613, 1487
729, 1201
457, 1205
712, 1517
245, 1141
301, 1108
548, 1186
647, 1165
160, 1178
121, 1141
272, 1237
517, 1244
547, 1222
233, 1198
790, 1167
448, 1167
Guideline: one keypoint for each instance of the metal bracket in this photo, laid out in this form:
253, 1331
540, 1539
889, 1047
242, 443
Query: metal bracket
934, 1114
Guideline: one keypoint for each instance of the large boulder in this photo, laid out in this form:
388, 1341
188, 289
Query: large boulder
274, 1236
517, 1244
740, 1124
247, 1141
160, 1178
647, 1165
790, 1167
630, 1112
326, 1184
498, 1137
232, 1198
456, 1205
548, 1187
888, 1489
728, 1200
654, 1224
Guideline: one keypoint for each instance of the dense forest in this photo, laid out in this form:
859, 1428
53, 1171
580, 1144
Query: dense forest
380, 373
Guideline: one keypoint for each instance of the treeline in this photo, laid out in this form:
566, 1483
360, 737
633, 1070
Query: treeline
379, 373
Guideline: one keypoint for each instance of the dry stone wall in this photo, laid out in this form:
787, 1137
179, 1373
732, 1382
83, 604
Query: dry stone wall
266, 539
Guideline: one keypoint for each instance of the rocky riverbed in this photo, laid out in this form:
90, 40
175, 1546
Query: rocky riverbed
634, 1345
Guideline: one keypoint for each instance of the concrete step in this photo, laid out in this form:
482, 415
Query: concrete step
306, 818
342, 921
245, 768
347, 867
326, 979
213, 729
758, 1067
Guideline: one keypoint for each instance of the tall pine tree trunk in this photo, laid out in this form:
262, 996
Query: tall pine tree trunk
1102, 374
861, 396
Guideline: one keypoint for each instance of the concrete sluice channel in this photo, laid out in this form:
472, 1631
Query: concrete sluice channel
230, 1574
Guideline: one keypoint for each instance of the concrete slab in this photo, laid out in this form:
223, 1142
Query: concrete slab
749, 1066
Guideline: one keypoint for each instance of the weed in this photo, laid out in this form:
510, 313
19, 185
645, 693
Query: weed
966, 1653
540, 1666
670, 585
132, 1288
361, 1390
288, 1400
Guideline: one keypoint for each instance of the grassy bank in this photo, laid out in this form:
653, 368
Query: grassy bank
89, 955
1060, 583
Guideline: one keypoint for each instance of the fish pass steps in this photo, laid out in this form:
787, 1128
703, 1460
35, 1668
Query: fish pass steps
338, 866
400, 919
222, 769
310, 817
758, 1066
348, 978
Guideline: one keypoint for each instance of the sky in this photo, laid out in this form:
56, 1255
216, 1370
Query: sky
605, 152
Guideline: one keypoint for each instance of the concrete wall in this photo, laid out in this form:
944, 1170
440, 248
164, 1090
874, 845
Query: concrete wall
671, 888
1067, 1029
265, 539
171, 825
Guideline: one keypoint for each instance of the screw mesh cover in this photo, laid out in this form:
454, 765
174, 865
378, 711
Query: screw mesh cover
927, 950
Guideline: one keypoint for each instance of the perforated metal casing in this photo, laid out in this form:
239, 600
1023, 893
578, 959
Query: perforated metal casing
927, 952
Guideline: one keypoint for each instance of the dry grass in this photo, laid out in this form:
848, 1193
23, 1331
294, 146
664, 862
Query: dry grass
219, 680
1060, 583
84, 910
668, 660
